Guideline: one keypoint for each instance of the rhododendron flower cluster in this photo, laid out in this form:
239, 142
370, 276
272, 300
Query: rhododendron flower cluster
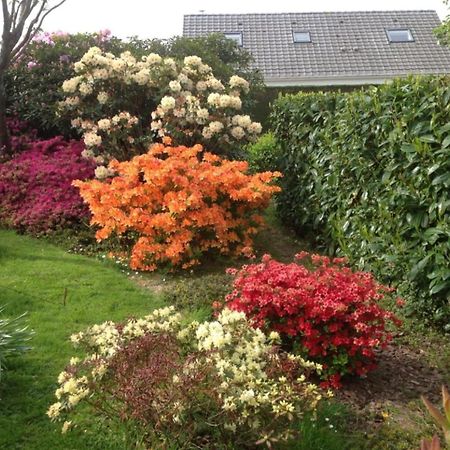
331, 312
222, 377
164, 97
35, 187
199, 108
180, 203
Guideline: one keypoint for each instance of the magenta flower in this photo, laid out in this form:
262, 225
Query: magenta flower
32, 64
36, 192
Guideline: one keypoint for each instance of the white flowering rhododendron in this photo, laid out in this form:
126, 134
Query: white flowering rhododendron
121, 104
253, 388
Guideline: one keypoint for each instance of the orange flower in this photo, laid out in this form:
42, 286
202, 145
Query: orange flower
180, 205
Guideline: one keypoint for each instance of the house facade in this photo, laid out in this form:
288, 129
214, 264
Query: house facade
332, 48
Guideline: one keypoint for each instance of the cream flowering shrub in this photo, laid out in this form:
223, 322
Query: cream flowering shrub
121, 104
111, 98
221, 378
200, 108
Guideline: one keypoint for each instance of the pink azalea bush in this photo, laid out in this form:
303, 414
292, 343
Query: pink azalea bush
36, 192
21, 133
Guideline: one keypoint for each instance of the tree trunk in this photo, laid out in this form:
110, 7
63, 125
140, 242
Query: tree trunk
5, 142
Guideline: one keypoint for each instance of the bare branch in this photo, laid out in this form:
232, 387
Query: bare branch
6, 18
13, 14
31, 29
21, 23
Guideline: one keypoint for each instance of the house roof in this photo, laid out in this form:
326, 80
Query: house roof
345, 47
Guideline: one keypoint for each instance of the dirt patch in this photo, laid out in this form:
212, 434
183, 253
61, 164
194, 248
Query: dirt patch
389, 397
281, 243
402, 376
153, 282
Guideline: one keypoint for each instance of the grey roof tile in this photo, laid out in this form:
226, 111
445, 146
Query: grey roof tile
343, 43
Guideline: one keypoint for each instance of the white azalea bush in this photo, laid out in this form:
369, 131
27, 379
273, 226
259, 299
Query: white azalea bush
121, 104
209, 384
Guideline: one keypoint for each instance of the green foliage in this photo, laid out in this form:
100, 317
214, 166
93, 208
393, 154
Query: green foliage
216, 384
369, 173
442, 32
33, 275
264, 154
224, 56
14, 337
328, 429
194, 293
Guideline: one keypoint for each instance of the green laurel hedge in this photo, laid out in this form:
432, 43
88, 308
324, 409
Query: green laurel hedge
369, 173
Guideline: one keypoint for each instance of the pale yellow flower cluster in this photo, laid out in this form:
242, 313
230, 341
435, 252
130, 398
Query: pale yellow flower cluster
71, 391
238, 354
71, 101
70, 86
237, 82
95, 133
103, 172
175, 86
96, 66
96, 70
241, 357
104, 338
92, 139
167, 103
102, 97
224, 101
195, 96
164, 319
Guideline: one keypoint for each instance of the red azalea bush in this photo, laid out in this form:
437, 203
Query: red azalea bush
331, 312
36, 192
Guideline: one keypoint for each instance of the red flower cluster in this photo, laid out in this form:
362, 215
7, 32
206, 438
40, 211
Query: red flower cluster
331, 312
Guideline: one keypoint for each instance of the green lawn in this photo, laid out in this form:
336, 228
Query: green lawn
33, 278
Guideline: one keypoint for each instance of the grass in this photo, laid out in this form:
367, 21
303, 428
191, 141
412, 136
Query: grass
325, 430
62, 293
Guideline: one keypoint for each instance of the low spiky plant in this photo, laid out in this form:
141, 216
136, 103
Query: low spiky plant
14, 336
442, 420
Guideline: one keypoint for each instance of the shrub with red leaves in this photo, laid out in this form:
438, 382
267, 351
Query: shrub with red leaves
330, 312
36, 192
149, 377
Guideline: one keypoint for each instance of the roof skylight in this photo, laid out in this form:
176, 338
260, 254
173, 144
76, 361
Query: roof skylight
236, 37
400, 35
301, 36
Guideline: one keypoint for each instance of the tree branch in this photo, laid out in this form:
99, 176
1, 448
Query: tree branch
33, 28
6, 18
16, 32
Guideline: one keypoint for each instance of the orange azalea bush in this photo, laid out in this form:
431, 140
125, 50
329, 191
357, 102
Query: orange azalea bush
179, 202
